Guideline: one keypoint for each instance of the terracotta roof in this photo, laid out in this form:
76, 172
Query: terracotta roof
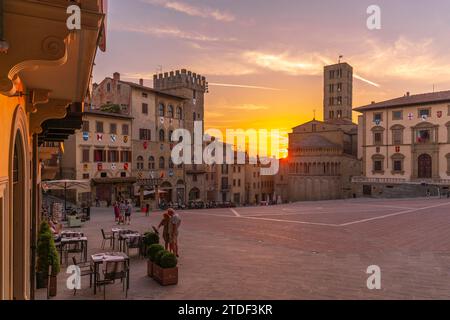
316, 141
340, 122
138, 86
95, 112
409, 100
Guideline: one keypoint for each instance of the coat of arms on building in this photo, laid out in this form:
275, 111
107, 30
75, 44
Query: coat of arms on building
99, 136
85, 136
125, 166
99, 166
439, 114
113, 166
113, 138
125, 139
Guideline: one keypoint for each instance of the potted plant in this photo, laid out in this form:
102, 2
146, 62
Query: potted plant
166, 270
149, 239
152, 251
48, 265
43, 255
55, 268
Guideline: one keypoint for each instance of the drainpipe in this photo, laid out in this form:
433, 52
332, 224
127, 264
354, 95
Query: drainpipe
4, 46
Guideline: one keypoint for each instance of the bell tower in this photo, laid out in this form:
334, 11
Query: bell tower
338, 92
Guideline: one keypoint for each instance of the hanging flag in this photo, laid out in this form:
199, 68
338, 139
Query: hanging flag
145, 145
113, 166
125, 166
113, 138
161, 119
377, 122
99, 136
125, 139
410, 116
99, 166
439, 114
424, 117
397, 149
85, 136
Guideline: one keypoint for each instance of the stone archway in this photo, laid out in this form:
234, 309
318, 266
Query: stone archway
18, 217
194, 194
19, 209
425, 166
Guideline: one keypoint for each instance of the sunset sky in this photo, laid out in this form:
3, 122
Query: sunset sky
264, 59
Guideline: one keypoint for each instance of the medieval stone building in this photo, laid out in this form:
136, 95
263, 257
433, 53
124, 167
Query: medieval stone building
323, 154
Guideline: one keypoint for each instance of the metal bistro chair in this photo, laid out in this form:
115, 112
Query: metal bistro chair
107, 236
115, 270
133, 243
85, 270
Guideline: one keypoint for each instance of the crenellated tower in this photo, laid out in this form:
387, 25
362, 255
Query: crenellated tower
188, 85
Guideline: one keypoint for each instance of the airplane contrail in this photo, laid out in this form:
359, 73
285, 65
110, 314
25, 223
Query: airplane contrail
242, 86
366, 81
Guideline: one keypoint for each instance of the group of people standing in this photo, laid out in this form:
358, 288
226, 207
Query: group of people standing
122, 212
170, 222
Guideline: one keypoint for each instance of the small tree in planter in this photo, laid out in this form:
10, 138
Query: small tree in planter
48, 260
166, 270
149, 239
152, 251
43, 253
55, 268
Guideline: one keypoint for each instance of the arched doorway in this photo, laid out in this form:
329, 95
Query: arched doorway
425, 166
194, 194
18, 219
180, 192
166, 192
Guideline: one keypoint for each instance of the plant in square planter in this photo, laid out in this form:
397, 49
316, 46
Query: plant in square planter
152, 251
43, 255
165, 272
55, 268
149, 239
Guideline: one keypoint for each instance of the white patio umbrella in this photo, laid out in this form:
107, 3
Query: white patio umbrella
66, 185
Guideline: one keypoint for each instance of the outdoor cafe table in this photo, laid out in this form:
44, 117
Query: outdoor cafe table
100, 258
116, 232
123, 237
82, 241
71, 233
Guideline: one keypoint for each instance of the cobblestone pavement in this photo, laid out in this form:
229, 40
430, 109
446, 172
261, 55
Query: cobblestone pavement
310, 250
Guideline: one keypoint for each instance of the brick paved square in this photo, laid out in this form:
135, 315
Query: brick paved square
310, 250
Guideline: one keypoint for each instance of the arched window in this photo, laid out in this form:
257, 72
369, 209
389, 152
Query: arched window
170, 135
179, 113
140, 163
170, 111
162, 135
162, 110
151, 163
162, 163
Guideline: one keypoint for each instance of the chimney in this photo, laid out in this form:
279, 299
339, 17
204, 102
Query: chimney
141, 82
408, 94
116, 76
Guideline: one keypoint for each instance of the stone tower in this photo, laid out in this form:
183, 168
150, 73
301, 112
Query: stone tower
338, 92
188, 85
192, 87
